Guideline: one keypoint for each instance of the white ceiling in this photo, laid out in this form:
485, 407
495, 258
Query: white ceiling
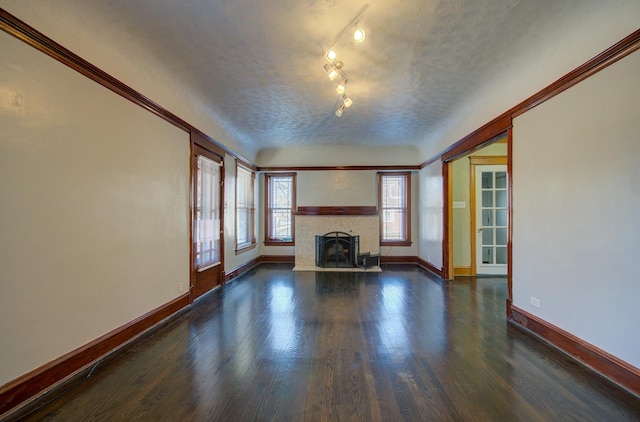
259, 64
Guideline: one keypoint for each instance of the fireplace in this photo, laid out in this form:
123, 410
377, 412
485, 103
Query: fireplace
337, 250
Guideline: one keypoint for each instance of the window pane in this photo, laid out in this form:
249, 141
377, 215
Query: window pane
501, 218
393, 204
487, 236
487, 199
207, 224
393, 225
501, 198
487, 255
244, 207
487, 180
501, 179
501, 236
487, 218
280, 208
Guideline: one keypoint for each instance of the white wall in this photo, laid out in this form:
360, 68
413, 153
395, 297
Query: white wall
430, 218
576, 202
95, 210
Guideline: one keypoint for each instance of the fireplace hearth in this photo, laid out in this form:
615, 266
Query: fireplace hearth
337, 250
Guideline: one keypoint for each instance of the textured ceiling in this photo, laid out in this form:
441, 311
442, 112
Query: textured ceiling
259, 64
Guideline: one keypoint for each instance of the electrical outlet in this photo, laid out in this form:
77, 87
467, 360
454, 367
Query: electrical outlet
428, 258
535, 301
181, 287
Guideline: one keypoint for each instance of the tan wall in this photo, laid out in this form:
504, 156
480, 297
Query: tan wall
576, 201
461, 193
95, 210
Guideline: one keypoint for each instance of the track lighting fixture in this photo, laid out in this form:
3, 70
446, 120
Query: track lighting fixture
358, 35
334, 68
332, 71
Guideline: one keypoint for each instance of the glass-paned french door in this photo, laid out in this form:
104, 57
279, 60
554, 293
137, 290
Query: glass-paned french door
492, 223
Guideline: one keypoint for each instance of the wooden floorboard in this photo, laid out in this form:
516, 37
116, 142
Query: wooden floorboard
398, 345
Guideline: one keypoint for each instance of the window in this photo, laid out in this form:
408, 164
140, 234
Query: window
280, 199
394, 204
207, 221
245, 209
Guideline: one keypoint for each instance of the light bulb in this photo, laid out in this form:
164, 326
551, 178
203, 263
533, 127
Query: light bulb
331, 55
331, 70
341, 87
346, 101
340, 110
359, 35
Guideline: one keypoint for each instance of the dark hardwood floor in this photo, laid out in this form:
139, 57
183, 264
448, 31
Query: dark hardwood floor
397, 345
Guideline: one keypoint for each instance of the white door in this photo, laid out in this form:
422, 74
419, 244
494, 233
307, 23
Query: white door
492, 225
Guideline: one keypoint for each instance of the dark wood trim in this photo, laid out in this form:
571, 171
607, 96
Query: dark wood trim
429, 267
430, 161
338, 210
238, 271
26, 33
241, 269
391, 259
500, 124
280, 259
334, 168
37, 381
447, 220
478, 138
615, 369
510, 219
278, 243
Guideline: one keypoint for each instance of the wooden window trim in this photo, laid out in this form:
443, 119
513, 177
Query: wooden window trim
407, 223
267, 227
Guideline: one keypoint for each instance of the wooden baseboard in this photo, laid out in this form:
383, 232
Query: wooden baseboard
279, 259
429, 266
462, 271
604, 363
390, 259
36, 382
230, 275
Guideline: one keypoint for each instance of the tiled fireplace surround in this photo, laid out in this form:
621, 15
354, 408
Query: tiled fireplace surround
320, 222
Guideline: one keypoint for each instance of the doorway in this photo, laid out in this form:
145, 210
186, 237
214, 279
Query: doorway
465, 236
489, 215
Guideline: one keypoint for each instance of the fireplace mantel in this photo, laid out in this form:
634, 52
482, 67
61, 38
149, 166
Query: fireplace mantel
348, 210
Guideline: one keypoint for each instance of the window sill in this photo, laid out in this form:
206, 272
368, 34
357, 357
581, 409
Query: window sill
279, 243
245, 248
396, 243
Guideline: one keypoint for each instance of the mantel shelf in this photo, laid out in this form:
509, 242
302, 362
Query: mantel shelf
347, 210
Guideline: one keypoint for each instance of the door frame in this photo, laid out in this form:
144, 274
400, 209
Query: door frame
474, 161
202, 281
